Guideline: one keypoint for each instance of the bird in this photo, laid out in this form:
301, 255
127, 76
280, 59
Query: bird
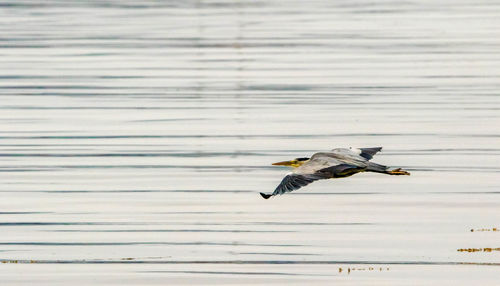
337, 163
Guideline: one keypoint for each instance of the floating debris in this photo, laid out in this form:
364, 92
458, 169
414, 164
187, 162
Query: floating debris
486, 249
485, 229
349, 269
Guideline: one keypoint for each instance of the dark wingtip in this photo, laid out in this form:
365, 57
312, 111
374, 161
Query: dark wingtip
265, 196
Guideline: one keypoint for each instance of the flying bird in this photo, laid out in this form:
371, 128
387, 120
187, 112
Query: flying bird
338, 163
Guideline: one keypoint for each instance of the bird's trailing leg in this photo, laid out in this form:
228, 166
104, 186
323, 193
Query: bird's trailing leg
397, 171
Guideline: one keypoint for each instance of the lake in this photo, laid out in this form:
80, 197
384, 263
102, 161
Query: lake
135, 137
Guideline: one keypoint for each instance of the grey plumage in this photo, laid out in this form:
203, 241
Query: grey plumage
368, 153
338, 163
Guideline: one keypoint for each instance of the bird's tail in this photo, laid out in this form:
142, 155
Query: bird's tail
377, 168
266, 196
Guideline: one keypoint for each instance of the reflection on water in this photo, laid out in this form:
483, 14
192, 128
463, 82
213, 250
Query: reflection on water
143, 132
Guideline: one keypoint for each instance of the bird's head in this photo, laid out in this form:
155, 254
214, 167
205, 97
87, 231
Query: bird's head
297, 162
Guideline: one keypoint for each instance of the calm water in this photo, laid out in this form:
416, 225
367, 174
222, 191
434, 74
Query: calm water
135, 137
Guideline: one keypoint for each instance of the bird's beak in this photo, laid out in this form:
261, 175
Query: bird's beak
284, 163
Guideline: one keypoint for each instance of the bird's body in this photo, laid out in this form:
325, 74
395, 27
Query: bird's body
337, 163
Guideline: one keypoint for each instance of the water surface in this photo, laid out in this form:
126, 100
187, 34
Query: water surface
135, 137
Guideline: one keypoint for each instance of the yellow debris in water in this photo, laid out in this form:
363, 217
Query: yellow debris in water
485, 229
486, 249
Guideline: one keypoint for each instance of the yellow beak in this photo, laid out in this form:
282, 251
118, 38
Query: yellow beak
284, 163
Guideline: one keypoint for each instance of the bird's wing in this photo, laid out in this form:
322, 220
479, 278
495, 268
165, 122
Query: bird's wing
368, 153
343, 156
294, 181
364, 154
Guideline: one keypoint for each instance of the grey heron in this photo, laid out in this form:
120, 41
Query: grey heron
337, 163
